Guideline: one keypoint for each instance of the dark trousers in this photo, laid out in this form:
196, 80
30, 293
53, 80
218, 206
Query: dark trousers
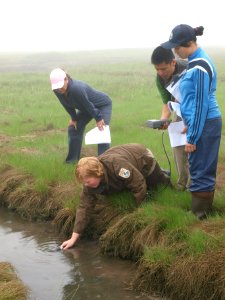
157, 178
203, 161
75, 135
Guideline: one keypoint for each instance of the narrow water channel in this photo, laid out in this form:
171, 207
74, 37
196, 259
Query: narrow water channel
51, 274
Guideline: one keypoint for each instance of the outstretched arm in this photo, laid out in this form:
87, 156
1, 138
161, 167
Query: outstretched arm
84, 209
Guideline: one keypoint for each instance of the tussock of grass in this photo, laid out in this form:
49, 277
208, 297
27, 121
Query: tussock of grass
18, 193
199, 242
184, 268
12, 179
32, 204
12, 290
147, 237
150, 225
64, 221
6, 272
104, 216
117, 240
152, 271
198, 278
188, 277
10, 286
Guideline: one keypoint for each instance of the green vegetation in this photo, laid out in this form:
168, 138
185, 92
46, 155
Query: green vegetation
178, 255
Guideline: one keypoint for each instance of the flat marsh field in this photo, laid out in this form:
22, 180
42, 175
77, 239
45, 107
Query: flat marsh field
177, 255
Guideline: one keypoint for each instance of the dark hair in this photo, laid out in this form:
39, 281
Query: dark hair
68, 76
161, 55
198, 32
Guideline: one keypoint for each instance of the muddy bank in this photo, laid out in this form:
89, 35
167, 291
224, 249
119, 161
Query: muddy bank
176, 255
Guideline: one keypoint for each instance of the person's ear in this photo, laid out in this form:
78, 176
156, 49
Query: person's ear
173, 62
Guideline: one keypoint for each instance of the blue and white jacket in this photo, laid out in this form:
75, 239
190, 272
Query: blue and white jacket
197, 88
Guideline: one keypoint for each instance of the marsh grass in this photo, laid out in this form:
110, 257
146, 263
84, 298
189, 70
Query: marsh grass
199, 242
10, 286
124, 201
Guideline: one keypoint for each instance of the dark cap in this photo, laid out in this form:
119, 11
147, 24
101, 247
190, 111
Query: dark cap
180, 34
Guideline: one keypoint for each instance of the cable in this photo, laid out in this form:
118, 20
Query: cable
150, 193
164, 148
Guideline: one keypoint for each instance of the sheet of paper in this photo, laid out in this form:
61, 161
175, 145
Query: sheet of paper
96, 136
176, 137
173, 87
174, 107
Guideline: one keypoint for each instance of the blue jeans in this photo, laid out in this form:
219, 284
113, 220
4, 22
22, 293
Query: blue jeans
75, 136
203, 161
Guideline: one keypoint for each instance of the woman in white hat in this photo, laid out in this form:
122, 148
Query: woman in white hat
83, 103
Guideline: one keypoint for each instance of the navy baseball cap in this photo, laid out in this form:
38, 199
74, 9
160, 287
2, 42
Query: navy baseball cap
180, 34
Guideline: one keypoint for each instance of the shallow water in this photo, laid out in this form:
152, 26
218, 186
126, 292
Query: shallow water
52, 274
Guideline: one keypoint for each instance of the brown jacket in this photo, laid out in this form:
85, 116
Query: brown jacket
126, 167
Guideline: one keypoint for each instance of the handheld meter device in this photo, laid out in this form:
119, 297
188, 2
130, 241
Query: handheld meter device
155, 124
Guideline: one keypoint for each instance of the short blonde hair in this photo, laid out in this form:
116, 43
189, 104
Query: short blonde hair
88, 167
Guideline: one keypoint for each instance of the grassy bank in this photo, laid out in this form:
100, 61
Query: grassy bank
10, 286
162, 236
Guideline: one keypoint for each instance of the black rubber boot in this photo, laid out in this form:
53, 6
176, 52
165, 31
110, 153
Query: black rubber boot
202, 203
74, 145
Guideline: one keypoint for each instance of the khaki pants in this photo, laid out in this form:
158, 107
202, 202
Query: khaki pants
181, 163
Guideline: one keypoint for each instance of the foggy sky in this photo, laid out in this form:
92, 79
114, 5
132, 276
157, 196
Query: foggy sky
53, 25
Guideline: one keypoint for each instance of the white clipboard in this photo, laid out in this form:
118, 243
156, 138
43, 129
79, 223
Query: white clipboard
176, 137
96, 136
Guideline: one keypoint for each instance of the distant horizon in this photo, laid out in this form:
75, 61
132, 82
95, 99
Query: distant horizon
215, 47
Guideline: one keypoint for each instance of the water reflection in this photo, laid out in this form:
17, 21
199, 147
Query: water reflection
104, 278
52, 274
